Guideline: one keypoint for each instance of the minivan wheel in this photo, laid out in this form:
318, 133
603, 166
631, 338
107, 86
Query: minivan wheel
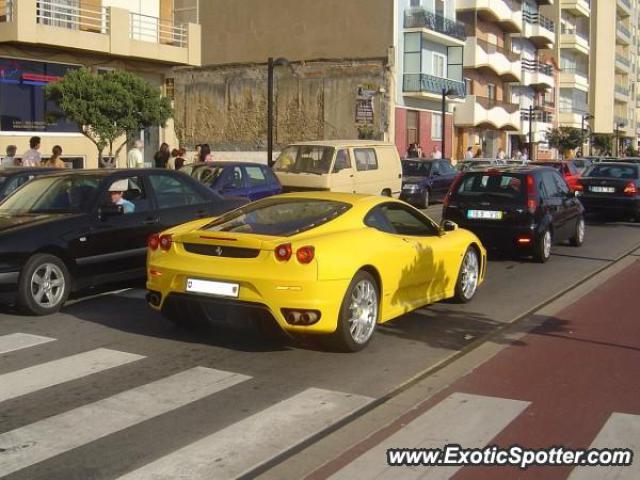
44, 285
542, 248
578, 235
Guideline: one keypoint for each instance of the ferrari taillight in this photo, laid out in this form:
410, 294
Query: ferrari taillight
153, 242
305, 254
283, 252
165, 242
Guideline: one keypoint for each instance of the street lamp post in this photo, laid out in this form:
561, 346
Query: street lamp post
618, 127
446, 92
531, 132
270, 67
585, 117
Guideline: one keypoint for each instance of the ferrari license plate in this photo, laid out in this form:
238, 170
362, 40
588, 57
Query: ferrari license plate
209, 287
596, 189
484, 214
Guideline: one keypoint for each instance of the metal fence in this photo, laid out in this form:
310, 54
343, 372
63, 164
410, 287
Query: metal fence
420, 18
72, 15
422, 82
153, 29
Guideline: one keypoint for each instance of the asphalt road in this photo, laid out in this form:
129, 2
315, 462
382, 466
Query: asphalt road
267, 372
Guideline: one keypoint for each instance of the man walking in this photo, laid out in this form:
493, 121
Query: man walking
32, 158
135, 158
10, 159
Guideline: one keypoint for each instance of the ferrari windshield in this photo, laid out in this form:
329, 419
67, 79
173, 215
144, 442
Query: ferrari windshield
305, 159
59, 194
279, 217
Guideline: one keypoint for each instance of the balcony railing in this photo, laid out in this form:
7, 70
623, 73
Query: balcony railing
423, 82
537, 116
493, 48
6, 10
535, 18
623, 60
565, 30
577, 108
624, 30
489, 103
536, 66
576, 71
420, 18
155, 30
56, 13
622, 90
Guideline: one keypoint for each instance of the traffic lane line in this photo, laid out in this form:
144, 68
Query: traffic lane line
19, 341
576, 369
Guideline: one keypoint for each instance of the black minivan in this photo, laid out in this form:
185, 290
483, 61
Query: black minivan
517, 209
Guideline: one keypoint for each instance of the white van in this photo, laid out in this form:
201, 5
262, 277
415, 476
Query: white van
352, 166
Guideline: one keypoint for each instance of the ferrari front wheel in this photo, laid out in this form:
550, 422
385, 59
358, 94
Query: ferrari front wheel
359, 314
468, 277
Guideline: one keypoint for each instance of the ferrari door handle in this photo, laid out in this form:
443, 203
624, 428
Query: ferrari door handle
150, 221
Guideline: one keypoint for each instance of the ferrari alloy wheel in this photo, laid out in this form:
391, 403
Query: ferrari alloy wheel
359, 314
44, 285
468, 277
578, 236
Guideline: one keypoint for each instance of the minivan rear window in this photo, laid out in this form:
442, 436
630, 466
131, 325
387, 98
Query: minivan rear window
499, 185
279, 217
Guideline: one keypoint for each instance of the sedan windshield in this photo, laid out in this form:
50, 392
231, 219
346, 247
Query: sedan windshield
279, 217
416, 169
60, 194
305, 159
629, 172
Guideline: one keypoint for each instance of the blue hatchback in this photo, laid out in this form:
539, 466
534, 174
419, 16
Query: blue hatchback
252, 181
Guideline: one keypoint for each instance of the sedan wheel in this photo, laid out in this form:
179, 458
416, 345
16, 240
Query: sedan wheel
468, 277
578, 236
358, 314
542, 250
44, 285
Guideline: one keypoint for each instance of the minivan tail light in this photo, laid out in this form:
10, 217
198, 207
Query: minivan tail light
532, 202
630, 190
153, 242
306, 254
283, 252
165, 242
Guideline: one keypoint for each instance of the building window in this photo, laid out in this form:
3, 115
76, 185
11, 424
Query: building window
23, 107
439, 65
436, 126
413, 127
468, 86
186, 11
413, 52
491, 91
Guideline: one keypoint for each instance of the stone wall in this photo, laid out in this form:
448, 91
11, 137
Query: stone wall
226, 106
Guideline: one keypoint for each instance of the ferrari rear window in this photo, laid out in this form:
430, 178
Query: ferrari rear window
279, 217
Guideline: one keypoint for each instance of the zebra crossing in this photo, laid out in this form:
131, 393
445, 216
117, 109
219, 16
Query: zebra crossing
227, 453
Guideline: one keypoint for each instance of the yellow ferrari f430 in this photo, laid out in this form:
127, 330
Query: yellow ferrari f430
320, 263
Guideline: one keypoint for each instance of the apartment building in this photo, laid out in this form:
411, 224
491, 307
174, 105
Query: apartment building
40, 40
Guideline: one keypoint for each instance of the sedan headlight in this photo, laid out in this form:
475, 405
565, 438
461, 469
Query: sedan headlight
410, 187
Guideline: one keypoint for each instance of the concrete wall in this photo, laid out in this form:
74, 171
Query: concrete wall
226, 107
250, 31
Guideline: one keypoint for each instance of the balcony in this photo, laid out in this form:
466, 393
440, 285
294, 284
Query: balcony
577, 7
57, 24
436, 27
572, 116
422, 85
623, 35
624, 8
537, 75
485, 112
541, 123
571, 77
621, 93
483, 55
539, 30
505, 12
575, 40
623, 65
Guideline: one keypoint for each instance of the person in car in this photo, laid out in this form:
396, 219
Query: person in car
116, 192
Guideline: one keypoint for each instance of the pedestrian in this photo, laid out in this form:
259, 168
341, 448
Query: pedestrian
10, 159
55, 161
525, 156
419, 151
479, 153
412, 151
171, 163
469, 153
196, 156
32, 157
436, 153
205, 153
162, 156
180, 160
116, 193
501, 155
134, 157
518, 155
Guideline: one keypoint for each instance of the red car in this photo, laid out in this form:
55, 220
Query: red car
566, 168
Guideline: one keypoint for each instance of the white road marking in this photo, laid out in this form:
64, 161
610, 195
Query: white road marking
620, 431
28, 380
463, 419
245, 445
18, 341
52, 436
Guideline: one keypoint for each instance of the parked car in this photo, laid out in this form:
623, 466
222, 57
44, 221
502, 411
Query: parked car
351, 166
464, 165
13, 177
252, 181
64, 232
519, 209
611, 188
566, 168
426, 181
292, 260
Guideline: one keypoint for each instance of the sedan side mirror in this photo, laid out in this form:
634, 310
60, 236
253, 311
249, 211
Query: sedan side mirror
110, 210
449, 226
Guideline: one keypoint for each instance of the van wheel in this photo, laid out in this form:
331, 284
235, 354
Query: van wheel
386, 192
44, 285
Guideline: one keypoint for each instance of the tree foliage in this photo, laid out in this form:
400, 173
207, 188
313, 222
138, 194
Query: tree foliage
565, 138
603, 143
108, 106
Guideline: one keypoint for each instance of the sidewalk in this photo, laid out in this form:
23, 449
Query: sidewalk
571, 382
